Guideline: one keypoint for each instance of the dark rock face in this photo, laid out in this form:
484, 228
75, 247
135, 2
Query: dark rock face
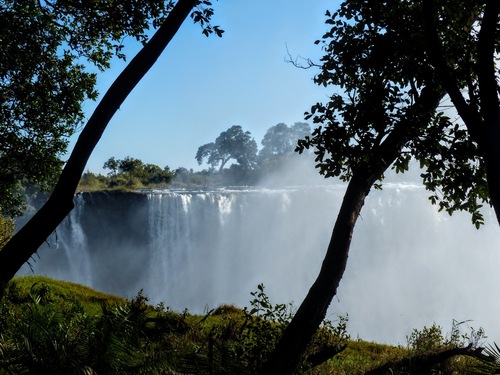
125, 214
115, 225
102, 243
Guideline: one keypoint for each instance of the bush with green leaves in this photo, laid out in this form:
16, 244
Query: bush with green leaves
47, 336
51, 338
233, 341
44, 329
431, 341
7, 227
93, 182
264, 325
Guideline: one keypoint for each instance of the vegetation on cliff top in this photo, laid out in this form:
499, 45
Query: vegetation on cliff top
233, 159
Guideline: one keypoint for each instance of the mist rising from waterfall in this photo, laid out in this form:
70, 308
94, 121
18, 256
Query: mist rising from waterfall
409, 265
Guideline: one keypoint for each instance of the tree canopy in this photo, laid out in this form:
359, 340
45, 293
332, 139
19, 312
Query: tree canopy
48, 51
381, 63
281, 140
132, 172
233, 143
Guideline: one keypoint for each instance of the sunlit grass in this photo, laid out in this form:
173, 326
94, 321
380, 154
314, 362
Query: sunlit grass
181, 336
63, 291
361, 356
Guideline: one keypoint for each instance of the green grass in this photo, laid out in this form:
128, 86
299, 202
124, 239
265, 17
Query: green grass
361, 356
62, 292
70, 324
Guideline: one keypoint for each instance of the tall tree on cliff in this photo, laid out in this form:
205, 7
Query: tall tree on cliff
233, 143
391, 70
280, 140
27, 241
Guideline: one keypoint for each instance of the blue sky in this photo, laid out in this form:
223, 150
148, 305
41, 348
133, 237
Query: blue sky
201, 86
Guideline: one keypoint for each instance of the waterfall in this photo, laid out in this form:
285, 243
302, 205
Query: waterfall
65, 254
73, 243
409, 265
213, 247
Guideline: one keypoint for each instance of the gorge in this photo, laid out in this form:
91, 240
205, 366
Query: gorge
409, 265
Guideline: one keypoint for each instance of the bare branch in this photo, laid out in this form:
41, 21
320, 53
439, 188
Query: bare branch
295, 62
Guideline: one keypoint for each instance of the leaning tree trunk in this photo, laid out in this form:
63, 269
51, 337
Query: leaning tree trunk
297, 335
26, 242
312, 311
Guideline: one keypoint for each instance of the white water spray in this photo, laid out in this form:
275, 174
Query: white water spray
409, 265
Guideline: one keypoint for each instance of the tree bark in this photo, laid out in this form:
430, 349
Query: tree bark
491, 153
28, 239
297, 335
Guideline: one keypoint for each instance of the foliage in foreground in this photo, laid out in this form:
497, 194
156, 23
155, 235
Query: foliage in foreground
50, 50
49, 326
57, 327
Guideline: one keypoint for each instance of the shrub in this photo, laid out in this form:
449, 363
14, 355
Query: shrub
92, 182
7, 227
265, 324
50, 336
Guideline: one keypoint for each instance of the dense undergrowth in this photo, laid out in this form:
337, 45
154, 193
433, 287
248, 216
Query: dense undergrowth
56, 327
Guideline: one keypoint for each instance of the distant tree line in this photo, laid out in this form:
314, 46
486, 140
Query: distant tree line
127, 173
232, 159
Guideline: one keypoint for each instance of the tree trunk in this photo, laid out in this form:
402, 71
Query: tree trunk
28, 239
491, 153
297, 335
312, 311
223, 163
